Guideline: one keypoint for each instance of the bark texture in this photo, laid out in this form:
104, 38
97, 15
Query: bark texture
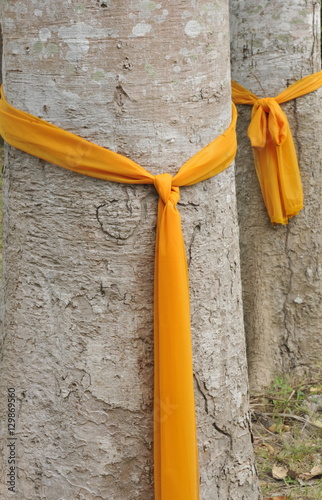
273, 45
149, 80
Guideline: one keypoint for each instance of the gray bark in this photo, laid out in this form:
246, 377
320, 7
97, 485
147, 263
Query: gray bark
273, 45
150, 81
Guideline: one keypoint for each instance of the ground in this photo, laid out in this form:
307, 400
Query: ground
287, 429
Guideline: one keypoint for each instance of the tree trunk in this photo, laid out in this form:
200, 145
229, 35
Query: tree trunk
273, 45
150, 81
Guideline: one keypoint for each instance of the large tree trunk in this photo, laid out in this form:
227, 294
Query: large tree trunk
151, 81
273, 45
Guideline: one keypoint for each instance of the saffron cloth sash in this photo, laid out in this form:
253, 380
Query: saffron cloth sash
273, 147
175, 443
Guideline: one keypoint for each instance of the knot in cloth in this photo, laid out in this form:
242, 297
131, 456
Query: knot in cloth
268, 123
265, 103
165, 189
275, 156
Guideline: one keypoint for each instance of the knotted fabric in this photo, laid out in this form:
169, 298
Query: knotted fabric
175, 443
273, 147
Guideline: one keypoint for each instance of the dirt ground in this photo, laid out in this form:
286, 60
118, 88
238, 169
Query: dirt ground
287, 430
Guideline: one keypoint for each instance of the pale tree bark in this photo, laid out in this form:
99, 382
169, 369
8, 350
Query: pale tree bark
273, 45
149, 80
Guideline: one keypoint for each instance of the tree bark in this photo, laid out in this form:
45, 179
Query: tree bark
150, 81
273, 45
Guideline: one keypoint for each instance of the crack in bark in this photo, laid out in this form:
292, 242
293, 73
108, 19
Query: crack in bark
202, 392
220, 430
223, 432
121, 97
287, 332
192, 239
296, 132
97, 216
249, 425
248, 52
117, 228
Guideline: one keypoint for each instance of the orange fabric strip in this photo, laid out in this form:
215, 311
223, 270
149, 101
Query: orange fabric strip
273, 147
175, 442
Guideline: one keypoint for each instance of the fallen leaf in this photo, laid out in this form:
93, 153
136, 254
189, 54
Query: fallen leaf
314, 472
279, 472
306, 476
268, 447
318, 423
315, 389
277, 498
277, 428
305, 483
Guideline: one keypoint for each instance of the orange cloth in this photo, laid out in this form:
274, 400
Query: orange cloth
175, 443
273, 147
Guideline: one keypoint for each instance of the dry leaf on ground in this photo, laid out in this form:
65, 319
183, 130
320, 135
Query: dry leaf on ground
279, 472
277, 498
268, 447
316, 389
314, 472
277, 428
318, 423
